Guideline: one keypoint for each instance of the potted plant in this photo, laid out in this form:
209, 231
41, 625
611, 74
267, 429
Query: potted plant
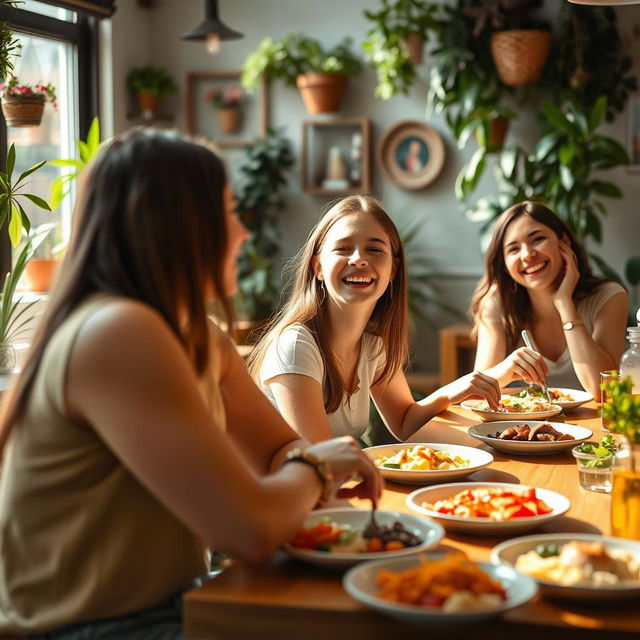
258, 192
227, 103
23, 104
9, 46
520, 44
321, 75
151, 84
42, 264
394, 46
15, 314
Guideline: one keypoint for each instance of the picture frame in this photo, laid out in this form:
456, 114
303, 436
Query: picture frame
633, 133
202, 119
411, 154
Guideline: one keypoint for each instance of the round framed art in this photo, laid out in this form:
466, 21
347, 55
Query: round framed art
411, 154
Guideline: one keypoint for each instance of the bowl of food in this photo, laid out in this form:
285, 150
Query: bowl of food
427, 463
340, 538
576, 566
488, 508
438, 589
512, 408
530, 437
567, 399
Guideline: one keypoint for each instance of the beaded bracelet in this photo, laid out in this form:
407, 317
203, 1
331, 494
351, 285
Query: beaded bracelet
320, 467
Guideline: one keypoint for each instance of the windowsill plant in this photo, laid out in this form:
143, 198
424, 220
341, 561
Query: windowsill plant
23, 104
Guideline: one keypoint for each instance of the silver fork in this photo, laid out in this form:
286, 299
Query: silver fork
529, 343
372, 529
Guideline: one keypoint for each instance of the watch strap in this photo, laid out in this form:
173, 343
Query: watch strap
320, 467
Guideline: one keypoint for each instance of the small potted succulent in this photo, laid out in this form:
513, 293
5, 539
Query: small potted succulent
23, 104
227, 103
320, 74
150, 84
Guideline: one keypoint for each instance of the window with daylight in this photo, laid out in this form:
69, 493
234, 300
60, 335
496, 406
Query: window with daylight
57, 46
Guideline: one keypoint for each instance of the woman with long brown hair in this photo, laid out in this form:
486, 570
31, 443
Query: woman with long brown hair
342, 336
134, 437
537, 277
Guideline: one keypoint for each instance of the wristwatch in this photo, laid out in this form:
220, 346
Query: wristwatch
567, 326
320, 467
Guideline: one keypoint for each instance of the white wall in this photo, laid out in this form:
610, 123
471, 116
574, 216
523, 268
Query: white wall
449, 239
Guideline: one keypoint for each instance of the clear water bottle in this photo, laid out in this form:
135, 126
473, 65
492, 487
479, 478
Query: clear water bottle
630, 362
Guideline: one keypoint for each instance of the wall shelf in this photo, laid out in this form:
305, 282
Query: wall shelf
343, 143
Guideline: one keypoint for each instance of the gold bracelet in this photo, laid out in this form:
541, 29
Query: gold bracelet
320, 467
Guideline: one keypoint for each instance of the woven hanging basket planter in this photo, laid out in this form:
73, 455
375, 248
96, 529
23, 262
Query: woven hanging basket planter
22, 112
520, 55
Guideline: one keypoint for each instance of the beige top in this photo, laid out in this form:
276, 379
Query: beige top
80, 537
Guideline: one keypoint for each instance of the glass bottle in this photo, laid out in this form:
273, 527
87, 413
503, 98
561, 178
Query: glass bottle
630, 361
625, 495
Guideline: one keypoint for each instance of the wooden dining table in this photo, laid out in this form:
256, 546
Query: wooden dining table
284, 598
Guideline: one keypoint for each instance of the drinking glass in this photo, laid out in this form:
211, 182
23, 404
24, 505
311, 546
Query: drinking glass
606, 376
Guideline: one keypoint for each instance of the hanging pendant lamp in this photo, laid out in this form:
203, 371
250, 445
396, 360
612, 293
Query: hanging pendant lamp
212, 29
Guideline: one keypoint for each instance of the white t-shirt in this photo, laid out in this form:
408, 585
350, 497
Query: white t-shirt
561, 371
296, 351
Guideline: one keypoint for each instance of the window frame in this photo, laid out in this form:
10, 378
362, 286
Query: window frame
84, 35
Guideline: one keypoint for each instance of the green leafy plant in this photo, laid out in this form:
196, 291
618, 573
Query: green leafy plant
87, 149
384, 50
259, 198
622, 409
296, 54
12, 193
152, 80
603, 452
14, 315
9, 46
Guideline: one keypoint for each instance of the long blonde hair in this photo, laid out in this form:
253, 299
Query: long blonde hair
307, 304
149, 224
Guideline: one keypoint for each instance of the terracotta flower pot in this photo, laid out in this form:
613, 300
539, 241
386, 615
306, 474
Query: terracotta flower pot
322, 92
39, 273
22, 112
148, 104
498, 128
413, 44
229, 119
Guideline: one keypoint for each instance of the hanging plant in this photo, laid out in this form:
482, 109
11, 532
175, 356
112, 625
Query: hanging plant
591, 60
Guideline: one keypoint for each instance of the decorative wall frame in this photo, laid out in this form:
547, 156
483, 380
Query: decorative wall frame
201, 117
411, 154
633, 133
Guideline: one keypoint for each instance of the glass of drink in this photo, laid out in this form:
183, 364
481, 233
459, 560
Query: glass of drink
606, 376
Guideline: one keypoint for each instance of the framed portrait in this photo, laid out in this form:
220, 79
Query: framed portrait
411, 154
218, 108
633, 139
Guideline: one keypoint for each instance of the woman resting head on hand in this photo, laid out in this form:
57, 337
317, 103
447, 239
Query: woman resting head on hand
342, 336
134, 438
537, 277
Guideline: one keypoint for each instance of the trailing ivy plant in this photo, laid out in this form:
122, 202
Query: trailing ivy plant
384, 48
259, 198
9, 46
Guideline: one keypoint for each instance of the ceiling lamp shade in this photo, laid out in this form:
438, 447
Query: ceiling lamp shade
212, 29
605, 3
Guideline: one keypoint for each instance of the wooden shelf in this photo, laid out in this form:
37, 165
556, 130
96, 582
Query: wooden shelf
339, 136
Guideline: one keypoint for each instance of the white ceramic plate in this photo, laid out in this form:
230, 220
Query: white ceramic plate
558, 503
478, 459
487, 430
488, 414
360, 583
509, 551
430, 532
579, 397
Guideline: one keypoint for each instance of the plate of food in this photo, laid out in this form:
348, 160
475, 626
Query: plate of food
427, 463
340, 538
576, 566
530, 438
512, 408
567, 399
488, 508
438, 588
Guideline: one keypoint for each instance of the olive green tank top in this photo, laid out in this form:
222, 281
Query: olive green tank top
80, 537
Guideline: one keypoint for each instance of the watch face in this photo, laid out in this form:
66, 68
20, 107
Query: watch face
567, 326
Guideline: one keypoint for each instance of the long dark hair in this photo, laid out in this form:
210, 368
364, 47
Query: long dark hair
515, 303
307, 302
149, 224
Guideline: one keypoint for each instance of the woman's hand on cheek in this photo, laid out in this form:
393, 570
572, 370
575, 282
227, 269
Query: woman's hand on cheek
474, 384
571, 274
